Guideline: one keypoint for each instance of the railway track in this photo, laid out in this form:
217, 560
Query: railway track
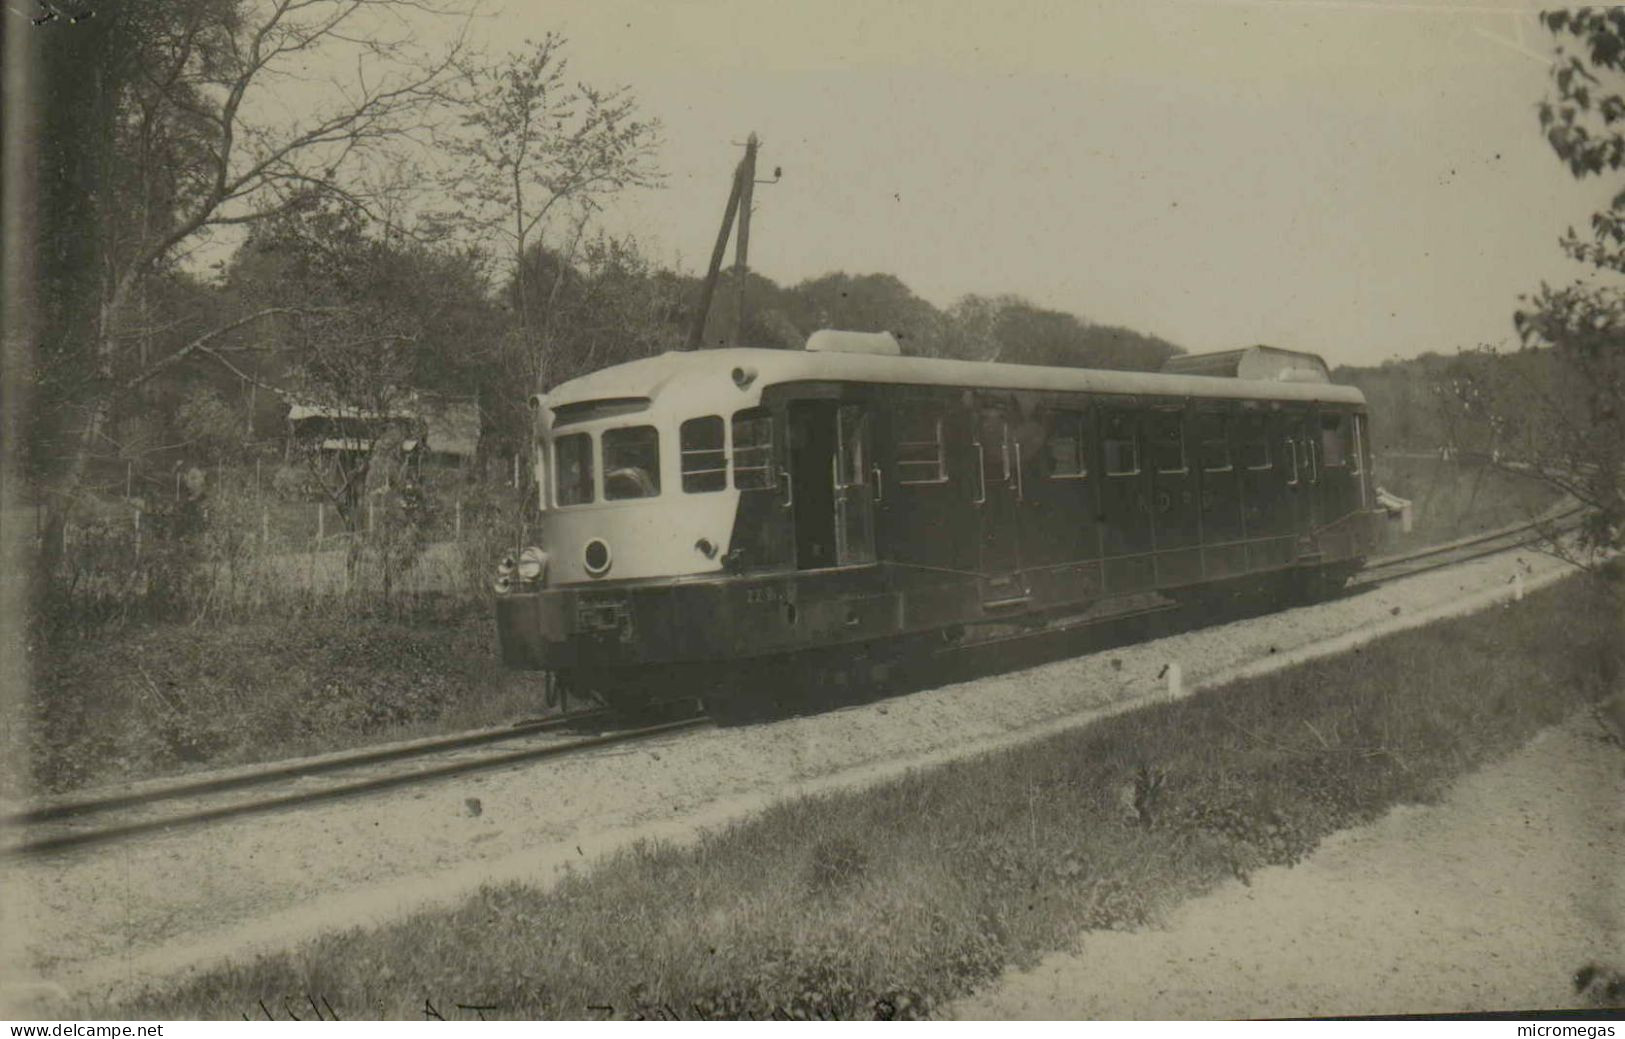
62, 825
1388, 568
70, 824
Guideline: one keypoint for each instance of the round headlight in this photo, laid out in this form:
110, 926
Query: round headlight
503, 584
507, 566
532, 561
596, 557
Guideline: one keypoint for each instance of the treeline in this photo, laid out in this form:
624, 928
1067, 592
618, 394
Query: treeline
1466, 402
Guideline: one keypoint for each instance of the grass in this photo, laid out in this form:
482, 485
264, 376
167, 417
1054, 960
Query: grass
892, 900
148, 700
1456, 499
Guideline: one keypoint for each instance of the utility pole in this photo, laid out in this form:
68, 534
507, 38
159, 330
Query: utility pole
747, 181
739, 197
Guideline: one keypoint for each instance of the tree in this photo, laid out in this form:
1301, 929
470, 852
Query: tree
1010, 329
1568, 415
187, 137
530, 148
371, 328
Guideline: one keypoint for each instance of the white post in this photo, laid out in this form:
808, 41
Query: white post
369, 515
1176, 681
457, 515
516, 468
1517, 588
265, 525
138, 533
321, 515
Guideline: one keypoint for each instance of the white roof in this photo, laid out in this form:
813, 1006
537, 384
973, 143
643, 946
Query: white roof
700, 377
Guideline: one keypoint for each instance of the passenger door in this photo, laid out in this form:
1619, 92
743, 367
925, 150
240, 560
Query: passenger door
1303, 470
995, 473
1223, 551
1125, 504
1174, 513
852, 472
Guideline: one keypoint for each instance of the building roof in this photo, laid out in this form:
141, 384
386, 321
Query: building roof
451, 428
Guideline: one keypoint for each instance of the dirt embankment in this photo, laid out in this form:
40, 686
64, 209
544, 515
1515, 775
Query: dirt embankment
1491, 900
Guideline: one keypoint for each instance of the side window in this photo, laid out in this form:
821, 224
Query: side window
572, 457
1213, 436
1122, 447
1064, 454
1334, 440
753, 449
1255, 442
851, 468
631, 463
920, 456
705, 459
1167, 441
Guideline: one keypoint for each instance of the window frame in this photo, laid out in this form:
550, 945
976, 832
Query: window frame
604, 438
590, 454
685, 453
1080, 416
769, 466
936, 412
1178, 415
1263, 441
1223, 420
1132, 419
1343, 423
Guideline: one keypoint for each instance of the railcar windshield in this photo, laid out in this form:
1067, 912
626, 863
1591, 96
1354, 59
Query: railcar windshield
631, 463
573, 473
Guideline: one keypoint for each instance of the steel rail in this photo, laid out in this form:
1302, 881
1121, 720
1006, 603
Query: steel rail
367, 786
297, 769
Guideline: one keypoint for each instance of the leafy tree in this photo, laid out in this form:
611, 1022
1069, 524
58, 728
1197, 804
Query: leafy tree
1569, 418
1014, 331
182, 136
531, 149
368, 327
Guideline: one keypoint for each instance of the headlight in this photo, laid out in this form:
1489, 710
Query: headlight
503, 584
532, 563
507, 566
596, 557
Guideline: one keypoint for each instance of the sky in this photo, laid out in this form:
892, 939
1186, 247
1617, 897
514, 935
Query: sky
1362, 180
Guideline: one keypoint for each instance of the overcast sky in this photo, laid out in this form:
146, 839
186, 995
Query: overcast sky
1361, 180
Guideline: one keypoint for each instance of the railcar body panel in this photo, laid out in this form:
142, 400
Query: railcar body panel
728, 504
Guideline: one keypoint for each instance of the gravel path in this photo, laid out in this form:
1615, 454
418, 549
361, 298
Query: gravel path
1488, 901
100, 920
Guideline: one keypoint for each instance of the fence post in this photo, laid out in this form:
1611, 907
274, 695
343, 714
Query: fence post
457, 516
138, 533
369, 515
265, 525
129, 478
321, 516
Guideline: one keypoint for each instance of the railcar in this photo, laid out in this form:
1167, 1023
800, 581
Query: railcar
712, 521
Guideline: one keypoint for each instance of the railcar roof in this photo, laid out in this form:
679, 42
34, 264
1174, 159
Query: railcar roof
694, 370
